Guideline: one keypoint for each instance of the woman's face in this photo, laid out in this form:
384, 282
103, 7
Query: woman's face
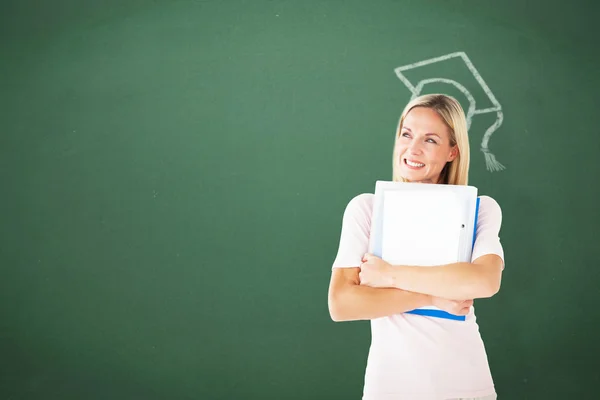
423, 146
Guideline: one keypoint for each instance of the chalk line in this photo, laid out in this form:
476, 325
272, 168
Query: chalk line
490, 159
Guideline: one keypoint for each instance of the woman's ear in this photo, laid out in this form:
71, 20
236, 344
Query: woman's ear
453, 153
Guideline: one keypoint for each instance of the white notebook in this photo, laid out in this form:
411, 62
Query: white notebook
424, 225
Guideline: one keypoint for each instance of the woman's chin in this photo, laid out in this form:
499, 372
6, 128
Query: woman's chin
411, 175
415, 177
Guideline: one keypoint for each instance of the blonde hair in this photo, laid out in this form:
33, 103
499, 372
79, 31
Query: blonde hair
455, 172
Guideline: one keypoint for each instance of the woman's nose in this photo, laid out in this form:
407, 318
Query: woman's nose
415, 147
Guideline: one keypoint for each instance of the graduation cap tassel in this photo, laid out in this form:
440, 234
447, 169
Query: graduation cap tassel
490, 160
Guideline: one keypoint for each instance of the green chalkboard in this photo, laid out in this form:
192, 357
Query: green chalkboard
174, 175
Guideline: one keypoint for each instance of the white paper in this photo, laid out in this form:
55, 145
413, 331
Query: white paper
421, 228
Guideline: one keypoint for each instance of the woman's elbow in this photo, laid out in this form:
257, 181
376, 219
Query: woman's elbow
494, 287
341, 294
336, 308
336, 316
488, 287
338, 305
489, 277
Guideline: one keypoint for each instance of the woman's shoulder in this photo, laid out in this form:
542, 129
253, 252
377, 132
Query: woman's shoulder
489, 208
361, 204
362, 199
488, 202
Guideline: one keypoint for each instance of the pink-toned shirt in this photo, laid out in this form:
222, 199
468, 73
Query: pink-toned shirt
417, 357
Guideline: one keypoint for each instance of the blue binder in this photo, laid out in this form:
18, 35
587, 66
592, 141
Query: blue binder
441, 313
376, 242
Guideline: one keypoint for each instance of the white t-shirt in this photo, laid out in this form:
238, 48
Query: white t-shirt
417, 357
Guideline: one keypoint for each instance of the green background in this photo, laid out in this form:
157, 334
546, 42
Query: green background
174, 175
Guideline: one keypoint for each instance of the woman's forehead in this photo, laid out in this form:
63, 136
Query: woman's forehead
424, 120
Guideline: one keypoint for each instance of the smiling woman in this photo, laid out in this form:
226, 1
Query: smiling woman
413, 356
431, 134
422, 153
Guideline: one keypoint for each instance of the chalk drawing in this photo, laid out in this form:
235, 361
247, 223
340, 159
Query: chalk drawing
490, 160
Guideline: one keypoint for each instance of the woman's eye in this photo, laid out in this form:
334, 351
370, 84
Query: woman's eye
431, 141
405, 134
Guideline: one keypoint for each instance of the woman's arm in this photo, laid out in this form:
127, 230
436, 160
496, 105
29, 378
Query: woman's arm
479, 279
349, 301
463, 280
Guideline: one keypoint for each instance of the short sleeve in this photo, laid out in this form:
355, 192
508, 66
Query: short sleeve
354, 238
489, 222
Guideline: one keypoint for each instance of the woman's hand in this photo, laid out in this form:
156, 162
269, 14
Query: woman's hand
375, 272
456, 307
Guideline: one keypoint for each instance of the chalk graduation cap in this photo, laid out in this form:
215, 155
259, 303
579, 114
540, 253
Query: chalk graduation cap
493, 105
